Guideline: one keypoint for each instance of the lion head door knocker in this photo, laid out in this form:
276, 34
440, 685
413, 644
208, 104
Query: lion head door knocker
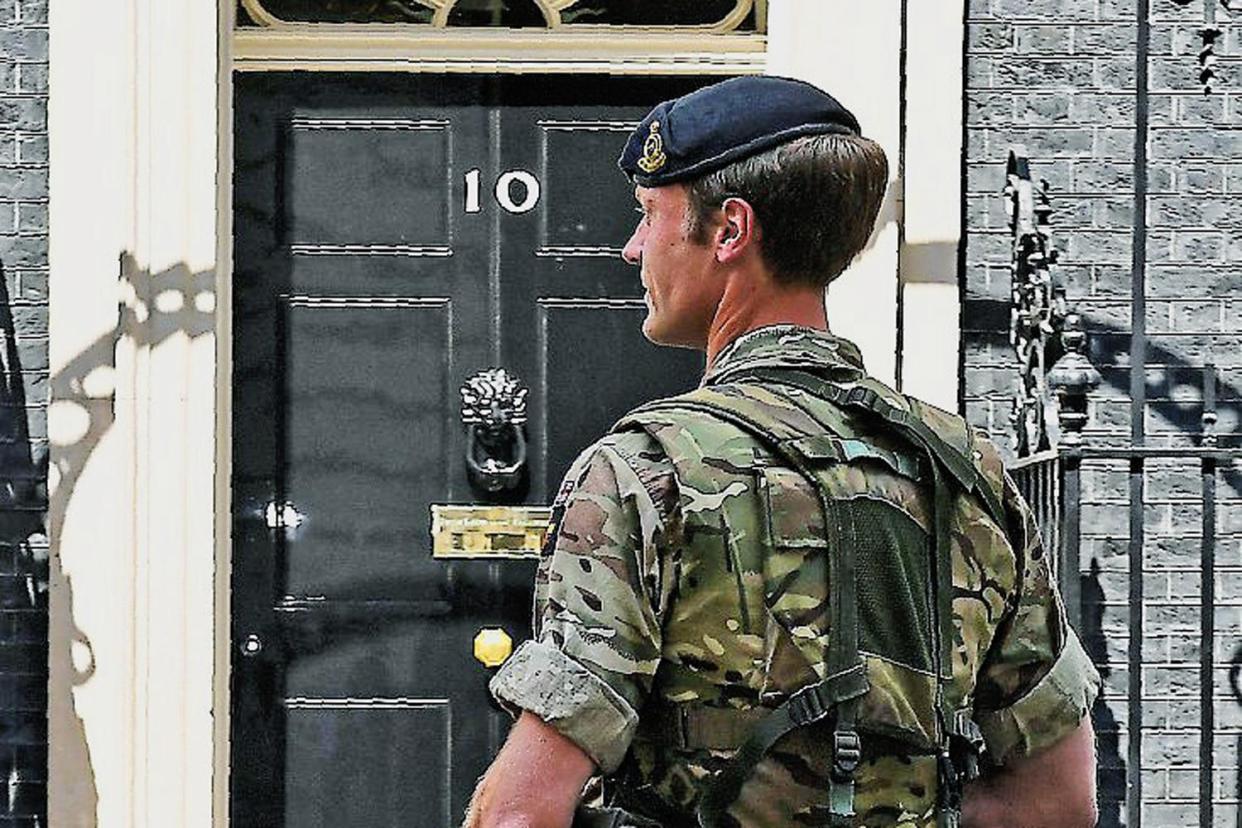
493, 409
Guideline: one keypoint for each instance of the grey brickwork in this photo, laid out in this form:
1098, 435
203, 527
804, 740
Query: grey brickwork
23, 412
1060, 76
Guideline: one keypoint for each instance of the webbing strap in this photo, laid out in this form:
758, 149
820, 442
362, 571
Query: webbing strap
696, 726
967, 745
950, 787
956, 462
808, 705
846, 754
847, 680
842, 650
943, 458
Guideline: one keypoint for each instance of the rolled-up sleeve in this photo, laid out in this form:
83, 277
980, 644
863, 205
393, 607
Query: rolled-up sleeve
1037, 683
568, 696
598, 592
1052, 709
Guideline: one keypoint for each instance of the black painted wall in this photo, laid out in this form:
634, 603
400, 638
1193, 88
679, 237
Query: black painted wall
23, 412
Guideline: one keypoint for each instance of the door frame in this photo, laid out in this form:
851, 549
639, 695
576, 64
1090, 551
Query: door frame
141, 167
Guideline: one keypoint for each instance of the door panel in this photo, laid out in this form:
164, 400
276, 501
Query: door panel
573, 221
369, 416
581, 339
371, 282
400, 163
365, 759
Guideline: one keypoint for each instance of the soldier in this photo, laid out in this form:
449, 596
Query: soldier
792, 596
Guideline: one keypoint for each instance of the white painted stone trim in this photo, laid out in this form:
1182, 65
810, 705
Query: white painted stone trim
853, 51
313, 47
934, 189
133, 291
221, 698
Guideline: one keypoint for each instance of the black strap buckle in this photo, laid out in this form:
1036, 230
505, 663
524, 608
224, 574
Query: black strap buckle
965, 728
846, 754
950, 782
966, 745
806, 706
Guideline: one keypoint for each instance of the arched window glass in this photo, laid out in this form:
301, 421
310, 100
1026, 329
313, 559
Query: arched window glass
513, 13
648, 13
718, 15
336, 11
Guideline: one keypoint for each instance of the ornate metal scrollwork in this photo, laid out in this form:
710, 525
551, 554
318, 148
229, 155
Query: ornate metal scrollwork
1055, 374
493, 409
1209, 34
713, 15
1037, 307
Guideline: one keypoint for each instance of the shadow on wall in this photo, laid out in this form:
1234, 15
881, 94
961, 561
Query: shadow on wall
987, 320
1110, 767
1110, 351
141, 323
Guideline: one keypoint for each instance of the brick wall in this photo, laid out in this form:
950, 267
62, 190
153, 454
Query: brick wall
23, 412
1060, 77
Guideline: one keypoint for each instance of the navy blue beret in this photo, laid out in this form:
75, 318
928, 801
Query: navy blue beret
703, 131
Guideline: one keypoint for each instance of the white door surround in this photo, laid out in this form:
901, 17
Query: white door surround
141, 125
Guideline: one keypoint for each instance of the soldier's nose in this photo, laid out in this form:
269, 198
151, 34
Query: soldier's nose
632, 253
631, 257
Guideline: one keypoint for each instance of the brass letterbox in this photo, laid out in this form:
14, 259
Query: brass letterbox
465, 532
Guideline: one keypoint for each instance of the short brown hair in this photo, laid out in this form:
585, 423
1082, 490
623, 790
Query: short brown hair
816, 198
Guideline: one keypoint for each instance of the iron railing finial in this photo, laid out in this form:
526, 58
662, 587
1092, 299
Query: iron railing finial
1072, 378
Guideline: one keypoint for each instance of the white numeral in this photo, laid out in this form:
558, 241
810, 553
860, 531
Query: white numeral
530, 186
504, 191
472, 192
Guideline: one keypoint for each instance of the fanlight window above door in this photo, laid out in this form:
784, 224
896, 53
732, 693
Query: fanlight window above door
723, 16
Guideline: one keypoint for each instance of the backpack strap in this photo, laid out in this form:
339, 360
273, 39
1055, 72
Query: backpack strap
961, 741
839, 694
957, 461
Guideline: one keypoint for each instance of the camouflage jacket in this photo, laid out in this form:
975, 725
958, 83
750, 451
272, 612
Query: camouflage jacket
622, 631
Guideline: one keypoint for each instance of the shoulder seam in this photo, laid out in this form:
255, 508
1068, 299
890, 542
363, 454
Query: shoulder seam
645, 476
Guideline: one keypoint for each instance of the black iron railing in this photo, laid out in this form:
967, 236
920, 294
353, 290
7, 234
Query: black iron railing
1050, 414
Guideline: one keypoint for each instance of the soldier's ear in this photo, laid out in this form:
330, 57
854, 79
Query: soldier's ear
738, 230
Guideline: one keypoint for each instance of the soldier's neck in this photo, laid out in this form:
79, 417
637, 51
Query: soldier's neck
747, 306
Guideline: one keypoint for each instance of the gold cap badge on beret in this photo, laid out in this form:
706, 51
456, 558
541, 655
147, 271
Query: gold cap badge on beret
653, 150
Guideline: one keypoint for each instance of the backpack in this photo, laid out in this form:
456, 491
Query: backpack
911, 638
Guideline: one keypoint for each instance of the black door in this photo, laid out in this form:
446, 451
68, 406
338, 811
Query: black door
395, 235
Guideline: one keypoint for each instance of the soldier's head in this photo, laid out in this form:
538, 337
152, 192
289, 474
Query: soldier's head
768, 167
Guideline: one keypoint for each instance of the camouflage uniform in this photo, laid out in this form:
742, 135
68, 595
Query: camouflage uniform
662, 585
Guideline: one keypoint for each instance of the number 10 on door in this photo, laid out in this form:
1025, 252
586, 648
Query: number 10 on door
524, 183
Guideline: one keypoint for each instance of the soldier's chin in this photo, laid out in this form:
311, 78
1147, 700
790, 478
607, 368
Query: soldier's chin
658, 334
653, 331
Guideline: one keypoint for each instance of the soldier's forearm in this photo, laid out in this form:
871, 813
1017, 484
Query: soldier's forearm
1054, 788
535, 781
986, 807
